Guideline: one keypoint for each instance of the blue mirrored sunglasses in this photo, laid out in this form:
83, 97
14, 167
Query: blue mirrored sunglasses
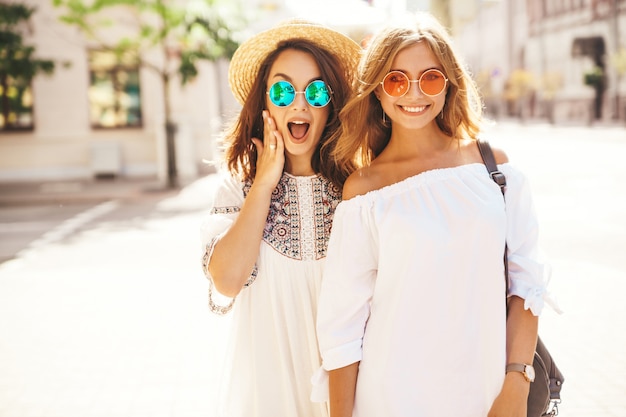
283, 93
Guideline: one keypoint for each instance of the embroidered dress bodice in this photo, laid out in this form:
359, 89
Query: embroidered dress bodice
300, 217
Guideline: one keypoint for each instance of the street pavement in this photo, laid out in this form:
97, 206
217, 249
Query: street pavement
112, 321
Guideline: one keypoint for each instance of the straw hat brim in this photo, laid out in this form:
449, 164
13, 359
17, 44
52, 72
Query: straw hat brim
246, 62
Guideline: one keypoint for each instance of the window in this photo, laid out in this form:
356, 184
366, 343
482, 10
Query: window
16, 103
114, 90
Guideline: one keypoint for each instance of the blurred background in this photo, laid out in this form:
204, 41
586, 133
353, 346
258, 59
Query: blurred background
111, 115
139, 88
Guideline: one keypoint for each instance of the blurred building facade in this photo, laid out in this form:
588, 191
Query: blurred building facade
559, 60
531, 59
104, 117
98, 116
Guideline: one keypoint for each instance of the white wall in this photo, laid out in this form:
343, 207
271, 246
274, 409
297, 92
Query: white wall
62, 143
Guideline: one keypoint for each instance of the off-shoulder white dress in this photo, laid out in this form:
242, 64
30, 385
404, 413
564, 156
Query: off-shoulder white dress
414, 289
273, 349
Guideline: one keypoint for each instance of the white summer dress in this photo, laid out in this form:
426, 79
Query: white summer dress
273, 350
414, 289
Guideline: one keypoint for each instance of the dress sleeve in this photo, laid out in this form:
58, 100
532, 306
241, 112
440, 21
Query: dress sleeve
346, 291
529, 273
227, 203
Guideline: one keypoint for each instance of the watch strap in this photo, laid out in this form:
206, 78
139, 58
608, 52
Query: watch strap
527, 370
516, 367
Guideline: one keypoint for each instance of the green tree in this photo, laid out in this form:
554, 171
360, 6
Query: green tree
184, 32
596, 79
18, 64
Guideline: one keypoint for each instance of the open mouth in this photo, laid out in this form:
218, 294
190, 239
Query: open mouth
298, 129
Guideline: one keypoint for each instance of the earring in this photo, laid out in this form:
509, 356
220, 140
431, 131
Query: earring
384, 118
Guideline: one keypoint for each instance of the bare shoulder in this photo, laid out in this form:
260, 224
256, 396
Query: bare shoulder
360, 182
499, 154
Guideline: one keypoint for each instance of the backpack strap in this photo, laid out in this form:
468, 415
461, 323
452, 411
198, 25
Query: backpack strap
490, 162
498, 177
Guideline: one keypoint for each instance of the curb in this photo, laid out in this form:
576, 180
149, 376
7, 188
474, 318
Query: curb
79, 192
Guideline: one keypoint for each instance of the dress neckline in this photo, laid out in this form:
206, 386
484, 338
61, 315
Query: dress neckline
424, 176
312, 176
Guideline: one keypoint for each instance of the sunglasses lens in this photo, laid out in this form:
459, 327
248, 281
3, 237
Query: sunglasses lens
396, 84
282, 93
432, 82
317, 94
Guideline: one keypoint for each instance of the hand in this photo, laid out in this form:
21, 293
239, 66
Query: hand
271, 154
511, 402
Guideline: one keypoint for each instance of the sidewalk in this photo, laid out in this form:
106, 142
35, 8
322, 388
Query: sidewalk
112, 322
80, 191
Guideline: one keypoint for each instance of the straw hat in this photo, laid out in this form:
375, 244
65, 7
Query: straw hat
246, 62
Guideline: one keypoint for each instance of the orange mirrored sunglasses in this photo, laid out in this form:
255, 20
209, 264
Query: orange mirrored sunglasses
431, 83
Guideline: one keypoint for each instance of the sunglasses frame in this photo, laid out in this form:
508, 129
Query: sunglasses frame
330, 93
445, 84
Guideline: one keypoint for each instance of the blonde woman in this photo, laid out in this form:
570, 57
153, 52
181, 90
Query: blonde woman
412, 317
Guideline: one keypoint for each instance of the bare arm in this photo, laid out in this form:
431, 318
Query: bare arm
242, 241
521, 339
342, 388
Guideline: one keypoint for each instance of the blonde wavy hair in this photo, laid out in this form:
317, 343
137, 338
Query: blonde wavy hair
364, 134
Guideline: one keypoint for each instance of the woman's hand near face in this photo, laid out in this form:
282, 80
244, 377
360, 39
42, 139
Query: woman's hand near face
271, 154
244, 236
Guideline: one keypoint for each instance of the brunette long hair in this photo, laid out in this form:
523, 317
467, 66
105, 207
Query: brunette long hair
240, 152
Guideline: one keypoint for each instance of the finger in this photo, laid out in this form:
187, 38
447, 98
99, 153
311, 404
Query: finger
270, 129
259, 145
280, 142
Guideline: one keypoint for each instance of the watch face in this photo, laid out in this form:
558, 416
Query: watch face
530, 371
